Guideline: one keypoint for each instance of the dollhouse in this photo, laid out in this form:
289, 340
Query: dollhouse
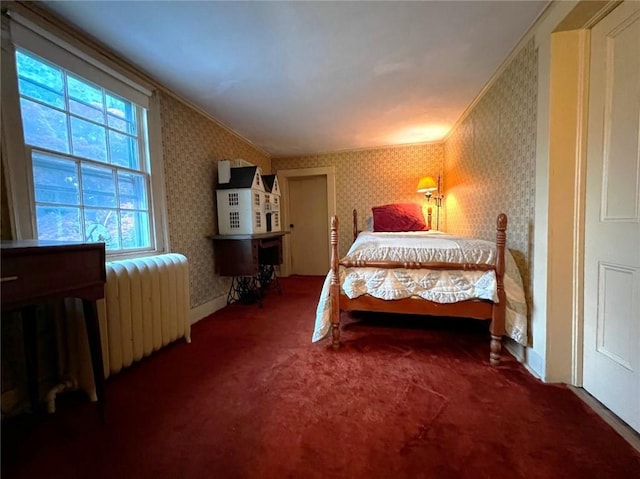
248, 203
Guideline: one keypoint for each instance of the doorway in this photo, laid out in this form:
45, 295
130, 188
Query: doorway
308, 202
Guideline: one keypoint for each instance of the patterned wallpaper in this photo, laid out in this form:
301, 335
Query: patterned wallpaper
366, 178
489, 164
192, 147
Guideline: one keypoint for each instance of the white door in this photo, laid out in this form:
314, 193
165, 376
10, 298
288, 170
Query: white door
611, 369
309, 227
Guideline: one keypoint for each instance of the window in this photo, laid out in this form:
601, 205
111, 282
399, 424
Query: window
234, 219
84, 155
234, 199
256, 199
87, 147
276, 220
258, 220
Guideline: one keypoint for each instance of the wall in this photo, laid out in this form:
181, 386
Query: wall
366, 178
489, 162
192, 146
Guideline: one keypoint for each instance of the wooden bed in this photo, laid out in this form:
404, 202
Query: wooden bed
477, 309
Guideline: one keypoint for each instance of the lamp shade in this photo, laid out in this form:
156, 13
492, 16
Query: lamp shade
427, 183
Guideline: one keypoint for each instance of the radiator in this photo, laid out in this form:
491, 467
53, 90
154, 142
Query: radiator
146, 307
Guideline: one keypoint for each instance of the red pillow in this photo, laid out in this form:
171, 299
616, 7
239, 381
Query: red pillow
398, 217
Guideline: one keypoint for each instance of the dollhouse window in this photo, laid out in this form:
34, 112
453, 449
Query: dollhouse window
276, 220
233, 199
258, 180
258, 220
234, 219
256, 199
275, 200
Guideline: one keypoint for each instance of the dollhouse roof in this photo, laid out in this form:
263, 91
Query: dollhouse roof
241, 177
268, 181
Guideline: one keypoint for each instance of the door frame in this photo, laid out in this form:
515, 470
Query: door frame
283, 179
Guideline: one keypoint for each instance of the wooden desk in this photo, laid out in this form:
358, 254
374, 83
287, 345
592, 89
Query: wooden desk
33, 271
245, 256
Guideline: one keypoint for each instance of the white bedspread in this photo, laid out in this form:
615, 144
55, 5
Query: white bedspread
440, 286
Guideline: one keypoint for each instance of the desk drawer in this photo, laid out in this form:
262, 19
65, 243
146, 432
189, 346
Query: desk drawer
33, 273
236, 257
271, 252
243, 255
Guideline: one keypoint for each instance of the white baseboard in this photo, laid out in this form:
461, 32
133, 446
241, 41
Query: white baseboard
210, 307
534, 363
516, 349
529, 358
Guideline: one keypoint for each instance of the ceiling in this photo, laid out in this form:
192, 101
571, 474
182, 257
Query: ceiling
308, 77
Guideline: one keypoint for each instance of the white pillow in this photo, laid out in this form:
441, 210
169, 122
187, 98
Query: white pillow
369, 223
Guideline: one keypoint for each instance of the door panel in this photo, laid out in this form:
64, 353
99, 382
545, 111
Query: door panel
308, 213
611, 369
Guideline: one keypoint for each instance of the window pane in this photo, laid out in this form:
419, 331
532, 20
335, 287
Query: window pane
133, 191
124, 150
39, 72
101, 226
55, 179
86, 111
135, 229
98, 186
44, 126
89, 140
83, 92
85, 99
122, 114
30, 89
58, 223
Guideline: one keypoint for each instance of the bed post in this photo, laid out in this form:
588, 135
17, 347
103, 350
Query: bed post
497, 321
429, 215
355, 224
334, 289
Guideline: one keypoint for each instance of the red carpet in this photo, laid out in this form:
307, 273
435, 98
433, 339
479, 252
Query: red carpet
252, 397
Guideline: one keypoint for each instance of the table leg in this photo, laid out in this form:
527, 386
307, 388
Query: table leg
95, 348
30, 338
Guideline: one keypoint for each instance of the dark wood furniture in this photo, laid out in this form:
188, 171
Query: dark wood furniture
250, 260
34, 271
477, 309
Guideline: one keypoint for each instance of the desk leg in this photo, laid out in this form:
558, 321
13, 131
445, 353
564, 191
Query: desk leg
30, 338
245, 289
95, 348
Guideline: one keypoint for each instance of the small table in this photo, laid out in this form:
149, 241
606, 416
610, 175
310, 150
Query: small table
250, 259
36, 270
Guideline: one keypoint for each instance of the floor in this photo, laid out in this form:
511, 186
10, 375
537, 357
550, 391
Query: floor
631, 436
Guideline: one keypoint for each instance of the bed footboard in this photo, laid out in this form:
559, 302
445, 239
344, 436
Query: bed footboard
478, 309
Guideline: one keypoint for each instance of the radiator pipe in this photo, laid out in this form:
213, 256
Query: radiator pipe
50, 398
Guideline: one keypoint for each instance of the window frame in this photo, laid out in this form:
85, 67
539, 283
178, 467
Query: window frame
17, 162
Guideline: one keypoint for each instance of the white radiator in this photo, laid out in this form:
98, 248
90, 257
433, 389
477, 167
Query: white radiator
146, 307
